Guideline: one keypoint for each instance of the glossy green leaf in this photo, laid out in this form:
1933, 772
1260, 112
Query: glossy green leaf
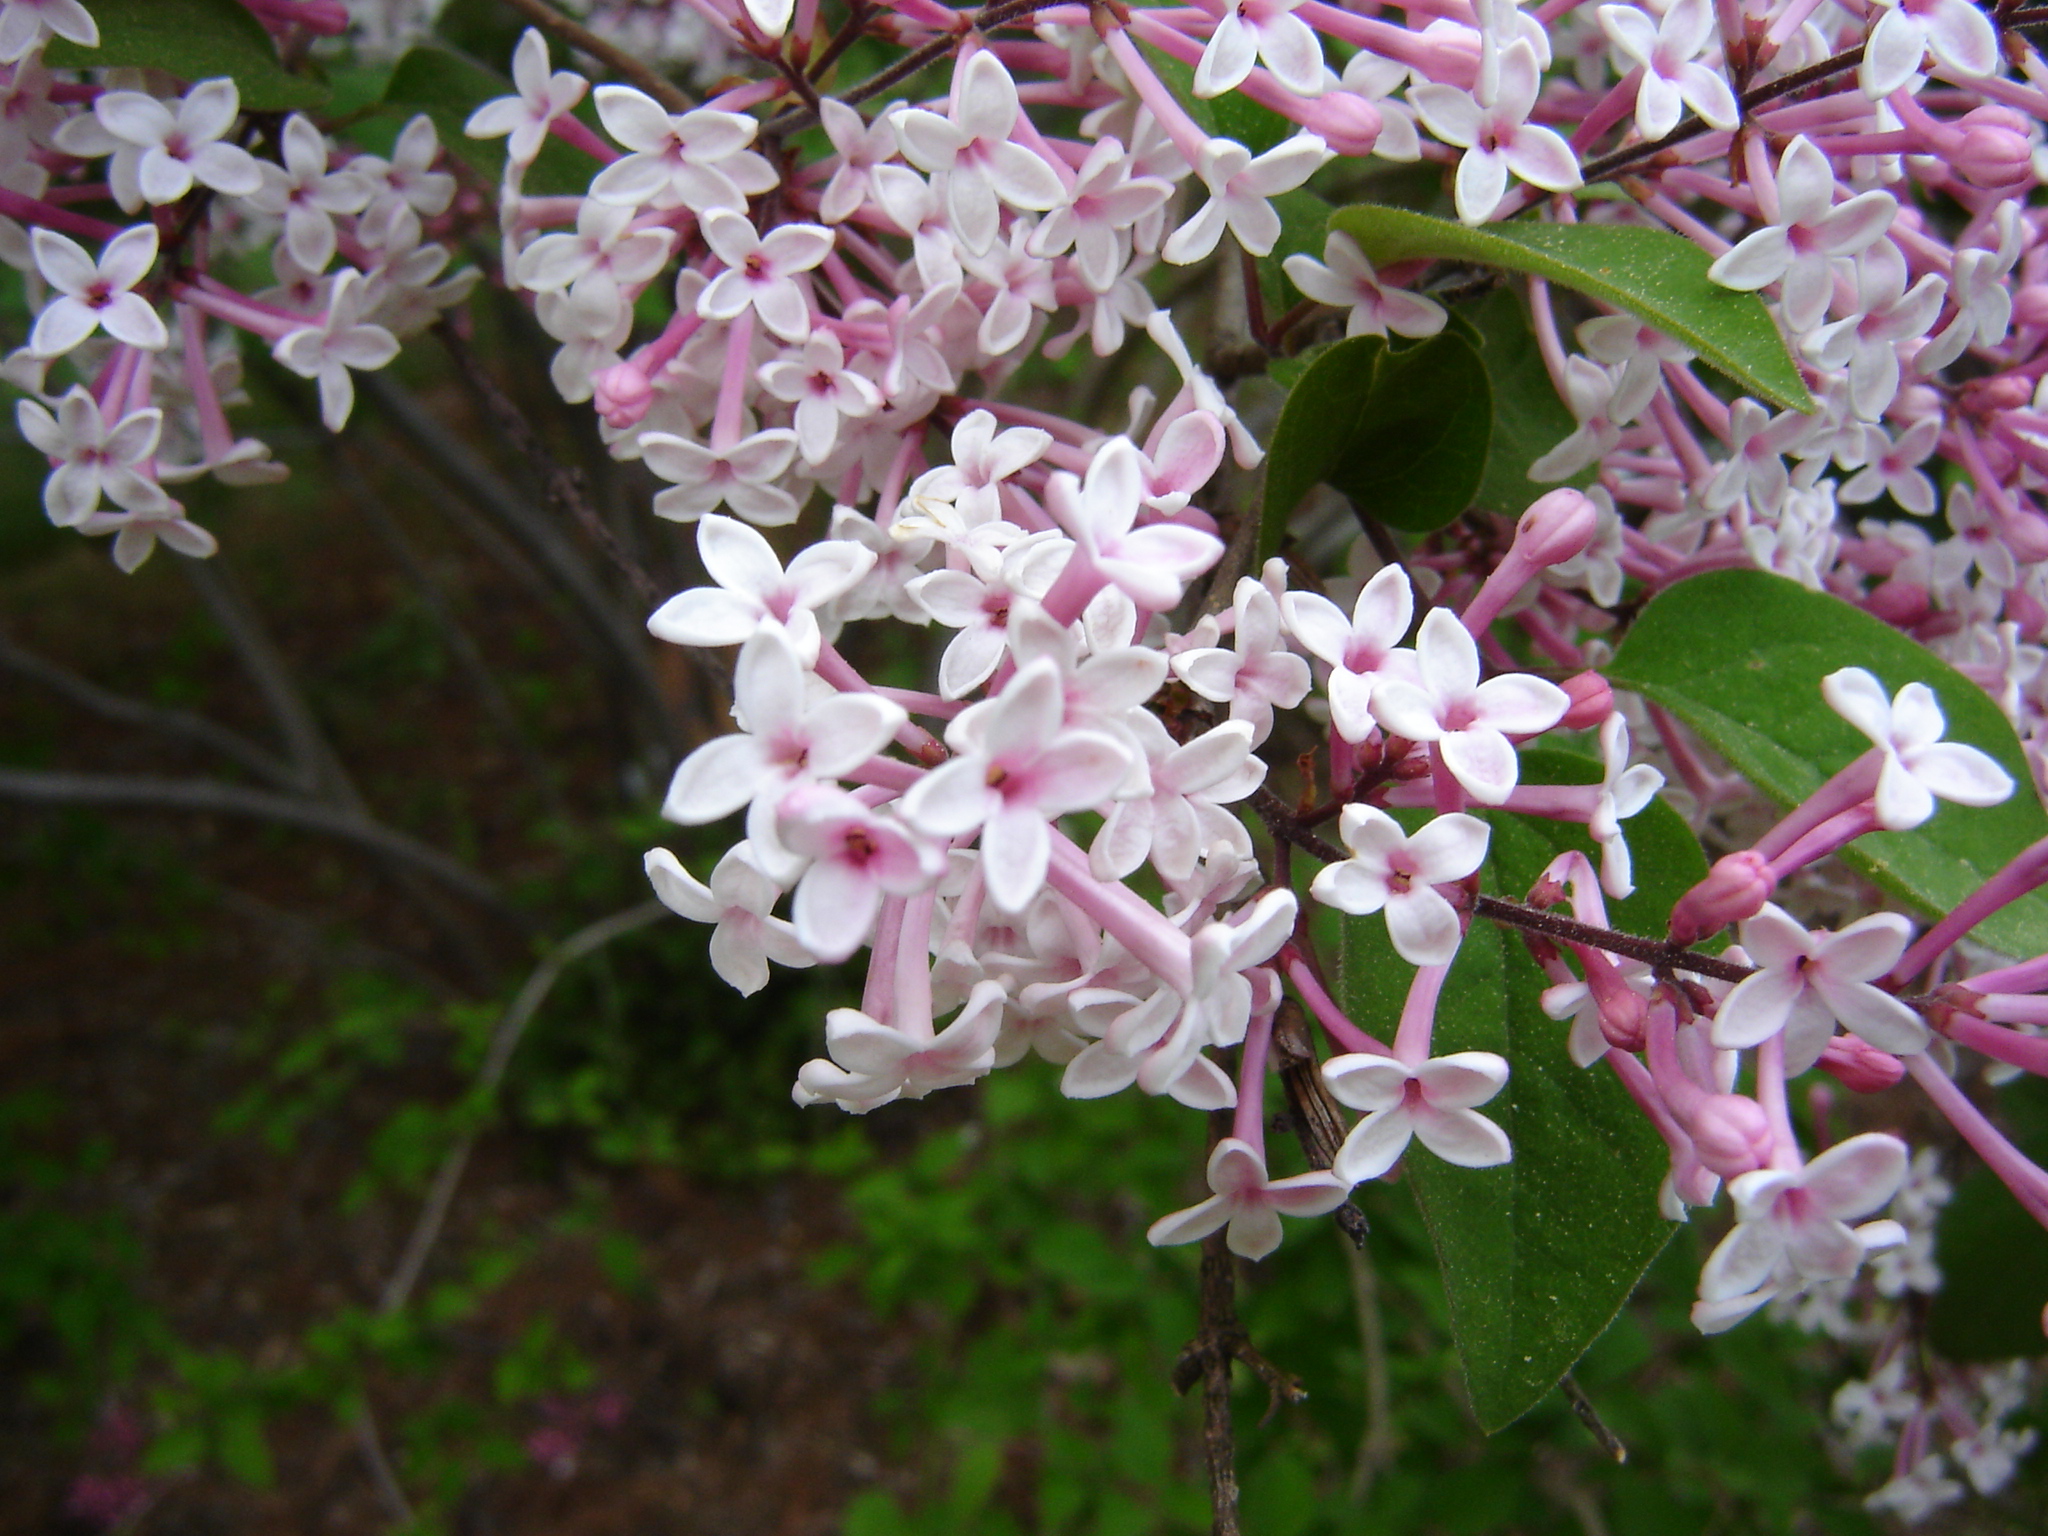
1651, 273
1739, 656
1528, 418
1233, 115
1540, 1254
193, 40
1402, 430
448, 86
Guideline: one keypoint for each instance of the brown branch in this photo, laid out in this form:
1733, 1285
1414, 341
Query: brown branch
563, 485
1589, 1416
497, 1057
920, 57
1659, 953
215, 797
170, 722
1607, 166
1311, 1111
609, 54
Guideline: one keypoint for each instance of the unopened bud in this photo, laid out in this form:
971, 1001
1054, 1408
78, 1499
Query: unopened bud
1859, 1066
1557, 527
1735, 888
1732, 1134
1901, 604
1995, 150
2026, 535
2030, 305
1347, 122
1592, 701
621, 394
2005, 392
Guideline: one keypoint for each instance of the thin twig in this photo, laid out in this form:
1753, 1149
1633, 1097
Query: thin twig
497, 1057
918, 58
216, 797
381, 1475
1653, 952
126, 711
607, 53
1312, 1112
1376, 1440
562, 484
1589, 1416
1693, 126
318, 769
468, 658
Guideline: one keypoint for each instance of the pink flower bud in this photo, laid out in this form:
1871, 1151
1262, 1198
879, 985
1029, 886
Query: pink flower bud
1995, 151
1732, 1134
2005, 392
1902, 604
1592, 701
1557, 527
2030, 305
1348, 123
1735, 888
2026, 534
1859, 1067
621, 394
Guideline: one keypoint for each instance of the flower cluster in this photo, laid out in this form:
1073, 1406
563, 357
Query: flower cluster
781, 299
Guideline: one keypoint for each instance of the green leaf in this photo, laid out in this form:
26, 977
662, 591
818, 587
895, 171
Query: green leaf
1233, 115
1304, 224
1653, 274
448, 86
1992, 1311
1528, 418
1739, 656
194, 40
1540, 1254
1400, 430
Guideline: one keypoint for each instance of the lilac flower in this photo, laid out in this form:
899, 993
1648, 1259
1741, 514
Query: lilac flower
1466, 720
786, 740
1239, 191
1624, 791
824, 391
93, 459
861, 146
1959, 34
1249, 1202
606, 260
1151, 563
1345, 279
872, 1063
754, 590
92, 294
1015, 769
697, 160
1798, 248
740, 901
856, 857
159, 153
1093, 217
343, 339
1267, 31
742, 477
1919, 767
307, 195
1791, 1228
1391, 872
1436, 1100
25, 23
1176, 823
522, 120
1893, 468
1808, 980
762, 272
1667, 52
1258, 672
970, 147
1494, 130
1866, 342
979, 605
1359, 650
